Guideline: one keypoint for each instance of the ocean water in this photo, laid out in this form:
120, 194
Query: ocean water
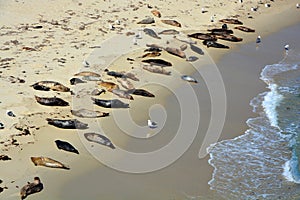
263, 163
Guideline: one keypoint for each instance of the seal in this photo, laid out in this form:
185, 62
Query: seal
87, 73
67, 123
157, 61
109, 85
189, 79
214, 44
203, 36
114, 103
231, 21
169, 32
74, 81
156, 13
51, 101
171, 22
91, 78
50, 85
31, 188
125, 83
140, 92
230, 38
115, 74
175, 51
131, 76
148, 20
153, 49
156, 69
220, 31
100, 139
244, 29
150, 54
122, 94
85, 113
66, 146
196, 49
151, 33
48, 162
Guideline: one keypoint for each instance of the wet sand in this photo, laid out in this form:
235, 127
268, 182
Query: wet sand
88, 178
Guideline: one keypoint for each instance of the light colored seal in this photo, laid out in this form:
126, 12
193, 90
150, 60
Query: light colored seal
100, 139
48, 162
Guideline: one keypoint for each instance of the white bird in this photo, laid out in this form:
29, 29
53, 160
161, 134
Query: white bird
111, 27
139, 35
189, 79
1, 125
212, 19
267, 5
258, 39
286, 47
85, 63
253, 9
134, 41
117, 22
152, 124
297, 5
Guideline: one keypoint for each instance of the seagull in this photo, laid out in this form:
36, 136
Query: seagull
10, 113
258, 39
139, 35
212, 19
152, 124
111, 27
1, 125
297, 5
86, 64
286, 47
117, 22
253, 9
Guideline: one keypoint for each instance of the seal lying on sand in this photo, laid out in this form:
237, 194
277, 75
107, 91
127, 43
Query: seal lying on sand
156, 13
202, 36
157, 61
230, 38
125, 83
74, 81
140, 92
244, 28
156, 69
231, 21
122, 94
189, 79
171, 22
151, 33
114, 103
50, 85
48, 162
31, 188
66, 146
176, 52
150, 54
85, 113
214, 44
220, 31
196, 49
100, 139
153, 49
169, 32
109, 85
148, 20
115, 74
87, 73
51, 101
67, 123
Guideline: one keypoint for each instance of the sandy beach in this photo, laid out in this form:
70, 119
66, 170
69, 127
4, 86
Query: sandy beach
50, 40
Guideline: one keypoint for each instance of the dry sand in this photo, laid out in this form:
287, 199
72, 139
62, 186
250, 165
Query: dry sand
72, 32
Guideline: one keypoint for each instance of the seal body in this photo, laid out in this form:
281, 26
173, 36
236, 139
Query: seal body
220, 31
151, 33
169, 32
125, 83
202, 36
230, 38
156, 69
100, 139
31, 188
87, 73
114, 103
244, 29
231, 21
51, 101
157, 61
141, 92
48, 162
66, 146
109, 85
50, 85
67, 124
85, 113
214, 44
171, 22
122, 94
176, 52
74, 81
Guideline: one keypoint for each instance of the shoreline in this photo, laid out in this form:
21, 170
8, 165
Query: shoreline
90, 161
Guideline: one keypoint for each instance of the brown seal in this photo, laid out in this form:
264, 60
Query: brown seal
231, 21
51, 101
171, 22
48, 162
122, 94
244, 28
156, 69
31, 188
125, 83
156, 13
87, 73
108, 85
85, 113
